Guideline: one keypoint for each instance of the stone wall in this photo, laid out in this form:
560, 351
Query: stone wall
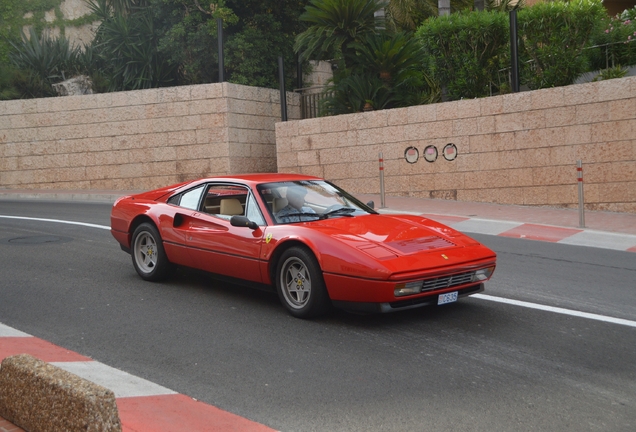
140, 139
518, 148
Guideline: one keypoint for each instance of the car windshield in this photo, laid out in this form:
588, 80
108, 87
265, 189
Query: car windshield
309, 200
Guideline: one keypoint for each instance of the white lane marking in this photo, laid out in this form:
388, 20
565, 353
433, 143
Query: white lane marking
6, 331
121, 383
557, 310
90, 225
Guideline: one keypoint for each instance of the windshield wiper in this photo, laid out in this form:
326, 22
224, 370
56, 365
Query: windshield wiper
299, 214
342, 211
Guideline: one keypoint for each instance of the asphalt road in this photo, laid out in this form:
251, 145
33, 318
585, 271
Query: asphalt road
473, 365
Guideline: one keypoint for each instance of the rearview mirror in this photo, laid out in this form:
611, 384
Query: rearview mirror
371, 204
242, 221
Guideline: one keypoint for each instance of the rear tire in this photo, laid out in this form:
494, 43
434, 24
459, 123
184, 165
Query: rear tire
148, 256
300, 285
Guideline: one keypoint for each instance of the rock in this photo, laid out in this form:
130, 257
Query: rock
79, 85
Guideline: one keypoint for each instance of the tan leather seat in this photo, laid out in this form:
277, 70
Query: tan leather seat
231, 207
278, 204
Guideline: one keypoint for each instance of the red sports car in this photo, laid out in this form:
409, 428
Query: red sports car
307, 238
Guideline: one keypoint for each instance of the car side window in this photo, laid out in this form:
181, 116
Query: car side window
225, 201
253, 212
191, 199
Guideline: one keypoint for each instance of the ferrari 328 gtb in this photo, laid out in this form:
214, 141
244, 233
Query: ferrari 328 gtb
312, 242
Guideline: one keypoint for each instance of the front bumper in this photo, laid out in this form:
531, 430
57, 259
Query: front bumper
399, 305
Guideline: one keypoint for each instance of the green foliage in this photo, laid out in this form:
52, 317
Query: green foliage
611, 73
504, 5
614, 43
408, 15
466, 50
353, 92
255, 33
17, 14
552, 39
51, 59
43, 61
9, 77
126, 43
334, 26
252, 55
391, 57
377, 69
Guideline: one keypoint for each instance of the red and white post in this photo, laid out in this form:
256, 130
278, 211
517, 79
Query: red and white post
381, 160
579, 172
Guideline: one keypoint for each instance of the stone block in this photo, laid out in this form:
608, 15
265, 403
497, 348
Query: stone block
468, 108
492, 105
575, 95
287, 162
592, 113
509, 122
448, 110
560, 116
465, 126
622, 109
547, 98
516, 102
309, 126
414, 114
38, 396
615, 89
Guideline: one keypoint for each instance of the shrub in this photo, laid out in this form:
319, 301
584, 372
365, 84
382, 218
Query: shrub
466, 50
614, 42
552, 37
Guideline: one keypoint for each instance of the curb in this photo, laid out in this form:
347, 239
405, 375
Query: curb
143, 406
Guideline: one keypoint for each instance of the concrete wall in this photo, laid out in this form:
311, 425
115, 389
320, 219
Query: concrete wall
139, 139
517, 149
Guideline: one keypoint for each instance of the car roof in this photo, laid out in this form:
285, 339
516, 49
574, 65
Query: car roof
259, 178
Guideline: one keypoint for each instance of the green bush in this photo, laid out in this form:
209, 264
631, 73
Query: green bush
126, 46
552, 39
614, 44
41, 61
465, 51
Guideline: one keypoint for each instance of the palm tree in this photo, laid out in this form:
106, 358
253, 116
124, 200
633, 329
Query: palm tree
334, 25
389, 55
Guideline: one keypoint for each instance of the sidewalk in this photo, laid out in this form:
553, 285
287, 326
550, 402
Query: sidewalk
602, 229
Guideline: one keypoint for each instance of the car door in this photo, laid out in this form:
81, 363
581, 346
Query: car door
173, 222
218, 247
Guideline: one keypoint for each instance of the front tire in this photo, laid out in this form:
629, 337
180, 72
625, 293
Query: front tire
300, 285
148, 256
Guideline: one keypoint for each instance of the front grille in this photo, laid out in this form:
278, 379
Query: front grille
447, 281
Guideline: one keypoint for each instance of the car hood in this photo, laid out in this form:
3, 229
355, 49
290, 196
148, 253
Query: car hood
405, 243
401, 234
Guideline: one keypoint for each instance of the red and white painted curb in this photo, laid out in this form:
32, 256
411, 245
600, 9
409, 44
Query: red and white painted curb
529, 231
143, 406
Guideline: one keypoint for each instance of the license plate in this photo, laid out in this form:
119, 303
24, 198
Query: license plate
447, 298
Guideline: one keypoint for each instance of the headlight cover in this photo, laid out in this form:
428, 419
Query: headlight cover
483, 274
409, 288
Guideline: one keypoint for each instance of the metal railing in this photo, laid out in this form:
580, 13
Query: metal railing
310, 98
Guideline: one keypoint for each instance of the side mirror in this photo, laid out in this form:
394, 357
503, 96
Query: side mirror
371, 204
242, 221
